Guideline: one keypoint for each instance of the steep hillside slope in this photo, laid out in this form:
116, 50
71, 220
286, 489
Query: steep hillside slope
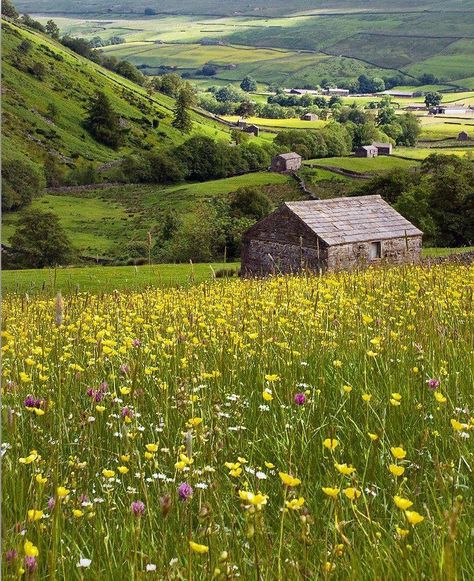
39, 76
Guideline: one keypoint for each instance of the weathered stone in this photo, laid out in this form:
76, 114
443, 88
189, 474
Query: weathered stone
335, 234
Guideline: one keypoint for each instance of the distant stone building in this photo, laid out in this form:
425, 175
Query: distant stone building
463, 136
398, 94
309, 117
286, 162
253, 129
366, 151
335, 92
339, 233
451, 110
383, 148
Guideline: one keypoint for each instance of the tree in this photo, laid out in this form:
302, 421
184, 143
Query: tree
9, 10
149, 12
229, 93
52, 29
129, 71
248, 84
411, 129
54, 172
34, 24
40, 240
102, 122
21, 181
169, 84
185, 100
246, 109
433, 99
250, 202
203, 158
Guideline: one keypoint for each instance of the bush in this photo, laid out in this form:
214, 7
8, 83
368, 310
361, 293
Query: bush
250, 202
40, 240
21, 181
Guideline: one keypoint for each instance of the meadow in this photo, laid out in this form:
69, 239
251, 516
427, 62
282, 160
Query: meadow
288, 428
101, 222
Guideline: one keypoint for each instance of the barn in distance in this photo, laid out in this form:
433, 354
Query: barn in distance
340, 233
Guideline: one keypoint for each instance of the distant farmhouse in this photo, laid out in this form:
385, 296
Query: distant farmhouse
373, 150
451, 110
463, 136
397, 94
340, 233
309, 117
286, 162
383, 148
366, 151
335, 92
248, 127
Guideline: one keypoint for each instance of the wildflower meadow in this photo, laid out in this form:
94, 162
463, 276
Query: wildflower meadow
289, 428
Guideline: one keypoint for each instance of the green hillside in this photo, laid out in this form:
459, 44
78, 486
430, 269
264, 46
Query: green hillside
67, 83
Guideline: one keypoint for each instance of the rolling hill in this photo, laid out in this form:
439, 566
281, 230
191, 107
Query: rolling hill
66, 81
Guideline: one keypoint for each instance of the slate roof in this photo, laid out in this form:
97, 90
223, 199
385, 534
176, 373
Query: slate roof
368, 147
348, 220
291, 155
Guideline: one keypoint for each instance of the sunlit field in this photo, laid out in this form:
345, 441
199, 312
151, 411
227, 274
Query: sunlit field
291, 428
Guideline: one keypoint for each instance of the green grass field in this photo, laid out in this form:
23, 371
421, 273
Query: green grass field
102, 222
104, 279
363, 165
293, 123
419, 153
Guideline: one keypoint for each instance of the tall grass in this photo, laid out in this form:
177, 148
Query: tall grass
161, 421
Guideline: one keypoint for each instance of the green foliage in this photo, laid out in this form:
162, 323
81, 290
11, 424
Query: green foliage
169, 84
438, 199
9, 10
54, 172
185, 100
410, 129
21, 182
433, 98
52, 29
250, 202
40, 241
248, 84
103, 122
129, 71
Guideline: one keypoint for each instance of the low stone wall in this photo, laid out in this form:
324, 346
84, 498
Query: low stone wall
466, 258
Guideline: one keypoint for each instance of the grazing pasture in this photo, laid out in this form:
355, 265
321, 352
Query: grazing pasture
362, 164
290, 428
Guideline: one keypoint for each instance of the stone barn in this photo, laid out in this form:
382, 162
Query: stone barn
366, 151
341, 233
383, 148
286, 162
253, 129
463, 136
309, 117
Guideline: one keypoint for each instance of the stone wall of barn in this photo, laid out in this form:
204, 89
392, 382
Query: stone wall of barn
261, 257
394, 251
281, 243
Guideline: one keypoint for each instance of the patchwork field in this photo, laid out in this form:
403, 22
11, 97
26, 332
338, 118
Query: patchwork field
344, 44
305, 427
